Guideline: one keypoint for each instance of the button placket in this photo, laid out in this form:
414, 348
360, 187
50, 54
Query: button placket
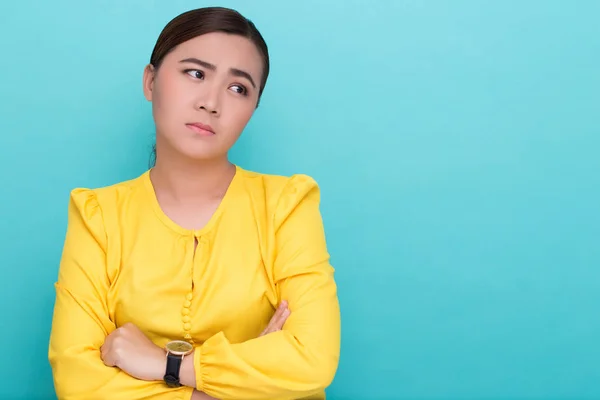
185, 316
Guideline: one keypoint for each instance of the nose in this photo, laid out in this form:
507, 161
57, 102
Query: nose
209, 100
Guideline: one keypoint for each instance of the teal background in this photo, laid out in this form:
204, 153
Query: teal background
457, 144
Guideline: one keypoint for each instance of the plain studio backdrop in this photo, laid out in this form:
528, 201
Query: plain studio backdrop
457, 144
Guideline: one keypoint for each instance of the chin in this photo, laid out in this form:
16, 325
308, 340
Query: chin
199, 153
196, 149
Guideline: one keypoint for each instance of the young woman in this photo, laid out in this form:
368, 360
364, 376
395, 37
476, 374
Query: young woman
197, 279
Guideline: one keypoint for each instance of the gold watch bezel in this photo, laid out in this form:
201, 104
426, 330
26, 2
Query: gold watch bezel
179, 348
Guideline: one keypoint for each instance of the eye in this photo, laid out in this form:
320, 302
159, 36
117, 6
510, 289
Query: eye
195, 73
240, 89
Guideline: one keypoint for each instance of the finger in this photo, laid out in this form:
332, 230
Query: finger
280, 309
281, 320
278, 312
106, 356
110, 361
278, 321
271, 321
106, 350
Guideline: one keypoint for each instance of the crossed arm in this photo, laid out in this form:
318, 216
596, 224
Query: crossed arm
295, 362
130, 350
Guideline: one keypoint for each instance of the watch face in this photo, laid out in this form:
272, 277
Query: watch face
179, 347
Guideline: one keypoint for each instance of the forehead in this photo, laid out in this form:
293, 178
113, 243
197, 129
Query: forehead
223, 50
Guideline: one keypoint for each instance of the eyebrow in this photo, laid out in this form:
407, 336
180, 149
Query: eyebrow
212, 67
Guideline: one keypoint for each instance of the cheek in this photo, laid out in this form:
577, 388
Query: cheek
236, 122
242, 112
170, 97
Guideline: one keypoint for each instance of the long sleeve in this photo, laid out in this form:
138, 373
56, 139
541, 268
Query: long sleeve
81, 319
300, 360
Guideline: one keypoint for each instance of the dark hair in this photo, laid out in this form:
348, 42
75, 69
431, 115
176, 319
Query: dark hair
205, 20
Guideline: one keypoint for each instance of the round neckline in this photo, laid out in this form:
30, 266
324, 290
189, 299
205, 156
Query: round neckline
229, 193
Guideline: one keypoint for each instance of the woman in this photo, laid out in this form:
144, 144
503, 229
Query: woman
197, 279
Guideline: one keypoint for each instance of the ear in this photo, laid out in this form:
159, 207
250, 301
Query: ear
148, 81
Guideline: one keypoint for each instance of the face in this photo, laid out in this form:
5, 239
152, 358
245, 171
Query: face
203, 94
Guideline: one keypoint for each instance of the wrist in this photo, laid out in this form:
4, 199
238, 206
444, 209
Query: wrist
161, 365
187, 373
177, 364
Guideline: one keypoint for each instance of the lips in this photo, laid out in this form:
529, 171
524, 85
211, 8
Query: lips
200, 128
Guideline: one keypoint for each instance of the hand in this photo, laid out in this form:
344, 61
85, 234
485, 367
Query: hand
278, 320
275, 324
130, 350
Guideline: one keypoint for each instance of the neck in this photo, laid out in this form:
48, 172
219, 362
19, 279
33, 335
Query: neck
184, 180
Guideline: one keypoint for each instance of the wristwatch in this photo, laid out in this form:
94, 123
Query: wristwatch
176, 351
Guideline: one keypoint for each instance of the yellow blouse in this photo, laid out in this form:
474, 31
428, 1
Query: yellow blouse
124, 261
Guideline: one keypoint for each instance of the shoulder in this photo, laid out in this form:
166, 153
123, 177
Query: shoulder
90, 200
283, 196
279, 187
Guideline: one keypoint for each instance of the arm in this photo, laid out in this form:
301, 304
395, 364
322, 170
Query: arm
301, 359
81, 318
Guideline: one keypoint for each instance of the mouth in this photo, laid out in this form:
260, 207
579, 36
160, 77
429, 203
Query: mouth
201, 129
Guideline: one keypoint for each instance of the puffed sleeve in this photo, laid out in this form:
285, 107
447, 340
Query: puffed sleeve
301, 359
81, 319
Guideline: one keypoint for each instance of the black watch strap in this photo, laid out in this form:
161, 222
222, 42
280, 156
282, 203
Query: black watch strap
172, 374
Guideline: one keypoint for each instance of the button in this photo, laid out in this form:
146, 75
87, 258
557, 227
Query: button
187, 336
189, 296
187, 303
187, 326
185, 311
187, 318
